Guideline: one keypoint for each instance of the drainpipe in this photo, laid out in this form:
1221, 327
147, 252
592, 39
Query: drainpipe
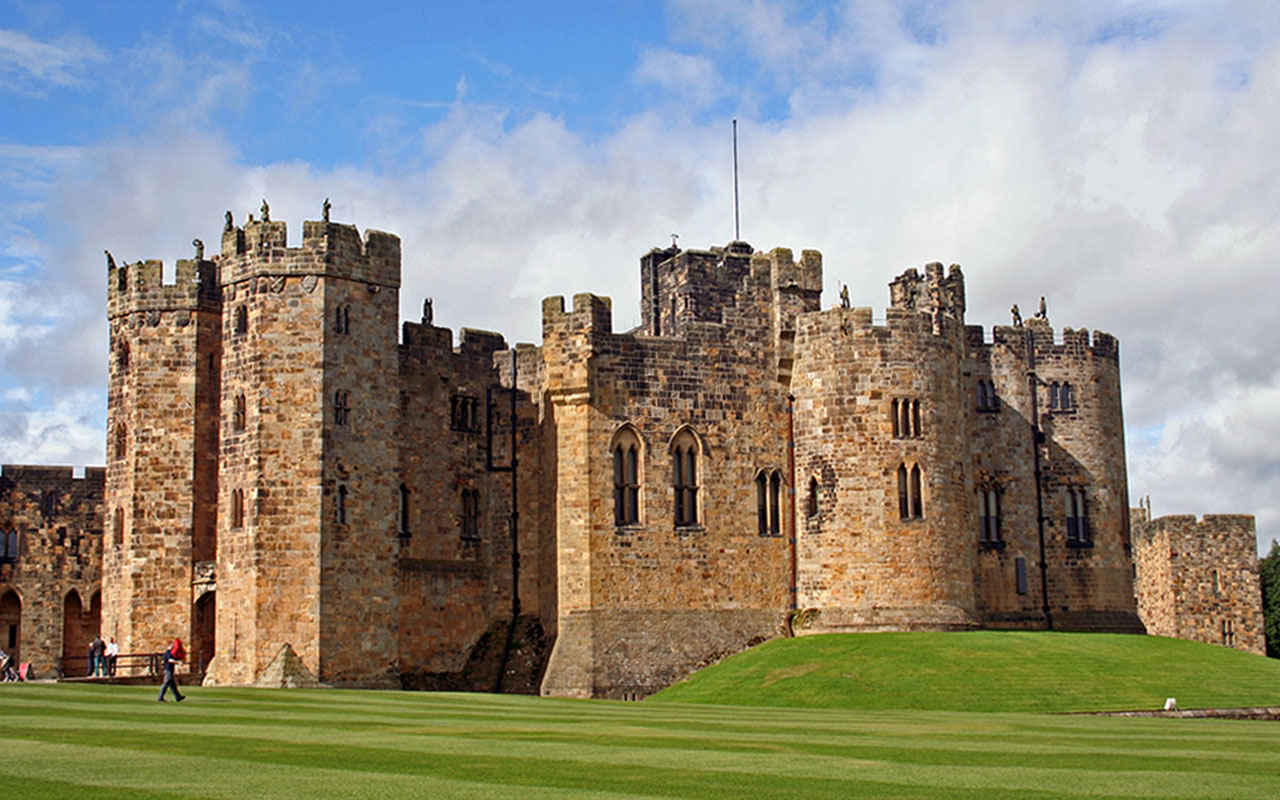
795, 522
515, 537
1037, 439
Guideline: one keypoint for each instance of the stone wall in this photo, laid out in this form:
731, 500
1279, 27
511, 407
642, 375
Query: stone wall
1198, 579
50, 565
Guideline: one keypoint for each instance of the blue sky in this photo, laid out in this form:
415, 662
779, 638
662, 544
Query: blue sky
1117, 157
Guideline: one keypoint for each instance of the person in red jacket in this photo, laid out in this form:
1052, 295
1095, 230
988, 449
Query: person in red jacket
171, 657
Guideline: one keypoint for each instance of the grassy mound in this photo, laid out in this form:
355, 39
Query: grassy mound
984, 671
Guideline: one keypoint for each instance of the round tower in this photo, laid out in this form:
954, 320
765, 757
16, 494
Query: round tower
881, 440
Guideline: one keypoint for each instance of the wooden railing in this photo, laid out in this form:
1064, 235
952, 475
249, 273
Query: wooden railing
126, 665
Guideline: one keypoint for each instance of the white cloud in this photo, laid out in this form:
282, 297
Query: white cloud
31, 66
1094, 157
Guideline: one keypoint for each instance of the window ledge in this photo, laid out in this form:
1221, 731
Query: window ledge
630, 527
695, 528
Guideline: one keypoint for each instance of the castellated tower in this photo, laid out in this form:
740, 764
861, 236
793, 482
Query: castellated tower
162, 426
880, 462
949, 482
308, 489
666, 468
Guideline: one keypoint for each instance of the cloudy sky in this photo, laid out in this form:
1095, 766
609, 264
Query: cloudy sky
1121, 158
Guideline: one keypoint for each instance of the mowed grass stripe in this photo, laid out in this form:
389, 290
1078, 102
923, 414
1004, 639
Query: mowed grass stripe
624, 749
1037, 671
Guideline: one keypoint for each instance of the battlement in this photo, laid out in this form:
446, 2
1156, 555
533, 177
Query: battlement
1192, 528
330, 249
678, 287
591, 314
935, 292
859, 321
1073, 342
28, 478
141, 287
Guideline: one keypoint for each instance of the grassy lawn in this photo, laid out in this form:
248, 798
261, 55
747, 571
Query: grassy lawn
79, 741
985, 671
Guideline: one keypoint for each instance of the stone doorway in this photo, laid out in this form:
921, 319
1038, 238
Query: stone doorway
79, 626
11, 625
203, 632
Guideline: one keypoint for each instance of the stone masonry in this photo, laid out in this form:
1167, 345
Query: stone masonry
1198, 579
290, 477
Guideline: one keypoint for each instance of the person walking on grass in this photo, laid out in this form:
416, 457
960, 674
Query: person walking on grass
171, 657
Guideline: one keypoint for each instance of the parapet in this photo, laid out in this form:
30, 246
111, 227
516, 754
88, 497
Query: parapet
786, 273
934, 292
1075, 342
141, 287
591, 314
483, 343
328, 248
27, 478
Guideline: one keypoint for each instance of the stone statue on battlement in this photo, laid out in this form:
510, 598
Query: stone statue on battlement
324, 210
428, 314
1043, 313
266, 211
844, 295
1017, 316
199, 246
229, 225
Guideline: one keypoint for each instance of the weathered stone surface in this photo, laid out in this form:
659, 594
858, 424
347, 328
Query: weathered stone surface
286, 476
286, 671
1198, 579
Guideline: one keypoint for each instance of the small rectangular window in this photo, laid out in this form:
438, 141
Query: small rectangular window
1020, 567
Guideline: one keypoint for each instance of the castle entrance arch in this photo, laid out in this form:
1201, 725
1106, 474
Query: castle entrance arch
76, 635
203, 637
11, 624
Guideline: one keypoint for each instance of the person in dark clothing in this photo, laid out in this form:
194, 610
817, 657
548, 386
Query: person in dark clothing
97, 656
171, 657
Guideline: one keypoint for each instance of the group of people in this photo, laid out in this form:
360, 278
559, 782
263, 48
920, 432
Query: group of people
102, 656
9, 671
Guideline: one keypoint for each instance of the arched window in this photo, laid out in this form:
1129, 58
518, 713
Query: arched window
905, 414
341, 407
122, 356
989, 514
118, 527
626, 477
910, 492
122, 441
239, 414
340, 508
762, 504
811, 498
684, 477
1054, 402
1065, 398
1217, 583
342, 319
917, 494
769, 502
9, 546
987, 400
470, 514
242, 320
1077, 518
775, 503
404, 511
237, 508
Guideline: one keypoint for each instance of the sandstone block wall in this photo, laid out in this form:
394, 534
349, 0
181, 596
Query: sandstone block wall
1198, 579
50, 565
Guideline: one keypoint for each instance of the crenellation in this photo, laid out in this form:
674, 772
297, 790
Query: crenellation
290, 466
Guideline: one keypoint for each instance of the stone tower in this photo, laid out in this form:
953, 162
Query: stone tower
308, 488
162, 427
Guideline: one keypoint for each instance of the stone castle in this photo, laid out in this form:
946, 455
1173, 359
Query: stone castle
290, 477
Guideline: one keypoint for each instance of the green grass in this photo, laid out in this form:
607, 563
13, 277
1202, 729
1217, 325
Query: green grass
117, 742
984, 671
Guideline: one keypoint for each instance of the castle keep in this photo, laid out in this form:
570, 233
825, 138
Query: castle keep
291, 479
